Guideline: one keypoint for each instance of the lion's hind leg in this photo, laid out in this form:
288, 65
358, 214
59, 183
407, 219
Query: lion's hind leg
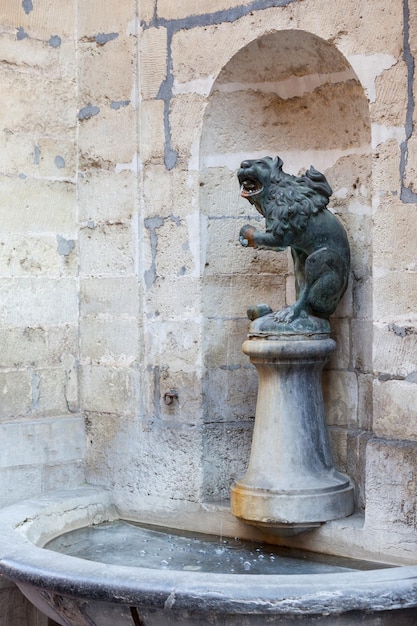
326, 280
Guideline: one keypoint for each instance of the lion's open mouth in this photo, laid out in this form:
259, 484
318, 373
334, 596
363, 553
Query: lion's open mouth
250, 187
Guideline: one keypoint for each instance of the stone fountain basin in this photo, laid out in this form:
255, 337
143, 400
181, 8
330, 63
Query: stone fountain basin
78, 592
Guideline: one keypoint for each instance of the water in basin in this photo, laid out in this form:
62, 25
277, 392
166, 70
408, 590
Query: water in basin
130, 544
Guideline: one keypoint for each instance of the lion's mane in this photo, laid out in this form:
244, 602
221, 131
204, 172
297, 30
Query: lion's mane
290, 201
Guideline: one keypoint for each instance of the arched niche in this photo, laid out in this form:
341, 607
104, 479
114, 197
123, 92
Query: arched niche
294, 94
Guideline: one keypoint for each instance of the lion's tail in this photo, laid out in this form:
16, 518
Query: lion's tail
318, 183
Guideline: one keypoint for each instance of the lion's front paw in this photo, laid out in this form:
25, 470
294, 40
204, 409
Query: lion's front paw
246, 236
289, 313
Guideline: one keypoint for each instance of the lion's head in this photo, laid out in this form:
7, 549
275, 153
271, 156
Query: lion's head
286, 201
255, 177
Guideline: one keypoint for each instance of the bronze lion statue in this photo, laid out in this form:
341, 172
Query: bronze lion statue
296, 215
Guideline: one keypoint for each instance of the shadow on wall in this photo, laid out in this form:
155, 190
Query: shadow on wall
293, 94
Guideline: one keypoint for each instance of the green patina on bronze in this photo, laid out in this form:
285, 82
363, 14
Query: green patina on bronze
296, 216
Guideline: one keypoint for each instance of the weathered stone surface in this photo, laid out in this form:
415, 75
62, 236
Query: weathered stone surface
26, 206
44, 441
340, 391
153, 66
226, 450
108, 389
106, 196
390, 488
229, 394
111, 18
394, 349
107, 139
395, 409
99, 79
151, 124
404, 285
107, 250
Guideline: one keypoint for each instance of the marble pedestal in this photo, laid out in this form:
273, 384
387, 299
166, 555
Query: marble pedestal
291, 484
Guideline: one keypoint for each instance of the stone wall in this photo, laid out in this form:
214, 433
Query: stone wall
121, 274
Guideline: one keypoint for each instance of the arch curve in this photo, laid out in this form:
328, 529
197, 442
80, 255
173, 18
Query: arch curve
294, 94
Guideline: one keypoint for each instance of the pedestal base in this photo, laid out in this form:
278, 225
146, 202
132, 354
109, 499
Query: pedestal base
291, 480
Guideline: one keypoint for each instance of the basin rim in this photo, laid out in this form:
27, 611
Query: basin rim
29, 564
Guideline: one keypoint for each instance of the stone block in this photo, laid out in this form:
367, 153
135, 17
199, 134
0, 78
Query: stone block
44, 441
338, 443
56, 103
350, 179
186, 407
109, 390
358, 224
390, 494
165, 461
186, 8
395, 346
410, 166
39, 18
26, 207
386, 172
106, 196
222, 342
173, 462
147, 10
30, 53
153, 61
49, 393
46, 255
112, 18
37, 346
220, 193
189, 107
395, 409
225, 255
229, 393
19, 483
167, 193
362, 344
356, 463
64, 475
340, 391
341, 358
360, 291
107, 249
230, 296
403, 305
17, 154
109, 296
108, 139
110, 341
394, 236
169, 343
31, 302
390, 106
99, 78
172, 252
16, 395
151, 130
226, 450
174, 297
109, 438
372, 28
57, 157
365, 401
